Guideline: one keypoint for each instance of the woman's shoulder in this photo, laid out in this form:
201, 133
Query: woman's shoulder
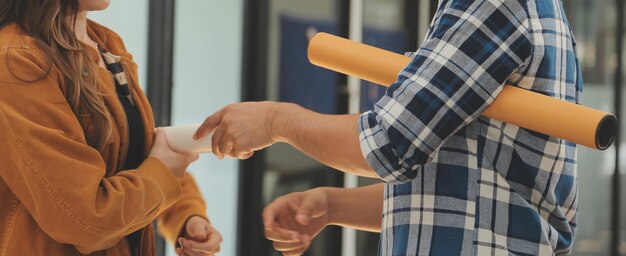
21, 55
19, 51
13, 36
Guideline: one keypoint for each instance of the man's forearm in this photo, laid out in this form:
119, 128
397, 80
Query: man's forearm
359, 208
330, 139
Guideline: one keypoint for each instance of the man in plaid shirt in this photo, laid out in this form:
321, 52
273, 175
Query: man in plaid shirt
455, 182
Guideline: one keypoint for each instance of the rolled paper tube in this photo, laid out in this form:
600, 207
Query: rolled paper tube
180, 139
537, 112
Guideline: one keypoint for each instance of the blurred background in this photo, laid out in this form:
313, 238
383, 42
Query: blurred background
196, 56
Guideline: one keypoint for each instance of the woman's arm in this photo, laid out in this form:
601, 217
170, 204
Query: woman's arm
60, 180
190, 203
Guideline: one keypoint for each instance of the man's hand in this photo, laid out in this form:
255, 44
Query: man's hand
241, 128
293, 220
199, 239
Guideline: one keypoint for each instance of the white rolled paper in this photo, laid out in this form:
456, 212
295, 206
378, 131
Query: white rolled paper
180, 139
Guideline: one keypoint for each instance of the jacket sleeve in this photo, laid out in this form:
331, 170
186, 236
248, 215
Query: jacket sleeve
60, 180
191, 203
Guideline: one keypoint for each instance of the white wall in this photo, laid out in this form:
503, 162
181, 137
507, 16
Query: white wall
207, 67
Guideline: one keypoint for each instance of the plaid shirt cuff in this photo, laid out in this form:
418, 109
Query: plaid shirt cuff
377, 151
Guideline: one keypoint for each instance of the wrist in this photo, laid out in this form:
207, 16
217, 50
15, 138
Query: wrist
333, 207
281, 120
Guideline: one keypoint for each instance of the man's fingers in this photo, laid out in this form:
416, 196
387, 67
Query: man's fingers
242, 155
278, 234
305, 210
297, 252
209, 123
283, 247
246, 155
271, 211
269, 216
227, 146
215, 142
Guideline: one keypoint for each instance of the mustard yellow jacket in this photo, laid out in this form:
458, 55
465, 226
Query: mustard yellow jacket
59, 196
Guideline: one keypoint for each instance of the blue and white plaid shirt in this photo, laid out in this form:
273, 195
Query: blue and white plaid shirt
458, 183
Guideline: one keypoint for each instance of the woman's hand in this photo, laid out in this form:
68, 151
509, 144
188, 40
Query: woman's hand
199, 239
293, 220
176, 162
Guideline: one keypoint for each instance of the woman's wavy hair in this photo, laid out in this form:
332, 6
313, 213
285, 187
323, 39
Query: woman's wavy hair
51, 23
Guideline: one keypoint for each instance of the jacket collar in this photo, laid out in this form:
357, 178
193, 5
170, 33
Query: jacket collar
107, 39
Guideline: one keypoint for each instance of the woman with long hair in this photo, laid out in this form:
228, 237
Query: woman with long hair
82, 170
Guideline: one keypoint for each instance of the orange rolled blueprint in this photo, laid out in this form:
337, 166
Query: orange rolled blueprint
533, 111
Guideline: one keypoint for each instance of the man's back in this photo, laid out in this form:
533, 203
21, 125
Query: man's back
460, 183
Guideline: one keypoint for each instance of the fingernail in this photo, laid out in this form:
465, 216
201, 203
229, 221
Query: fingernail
180, 241
295, 238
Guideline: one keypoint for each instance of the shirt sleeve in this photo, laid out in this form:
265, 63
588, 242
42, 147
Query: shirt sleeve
472, 49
